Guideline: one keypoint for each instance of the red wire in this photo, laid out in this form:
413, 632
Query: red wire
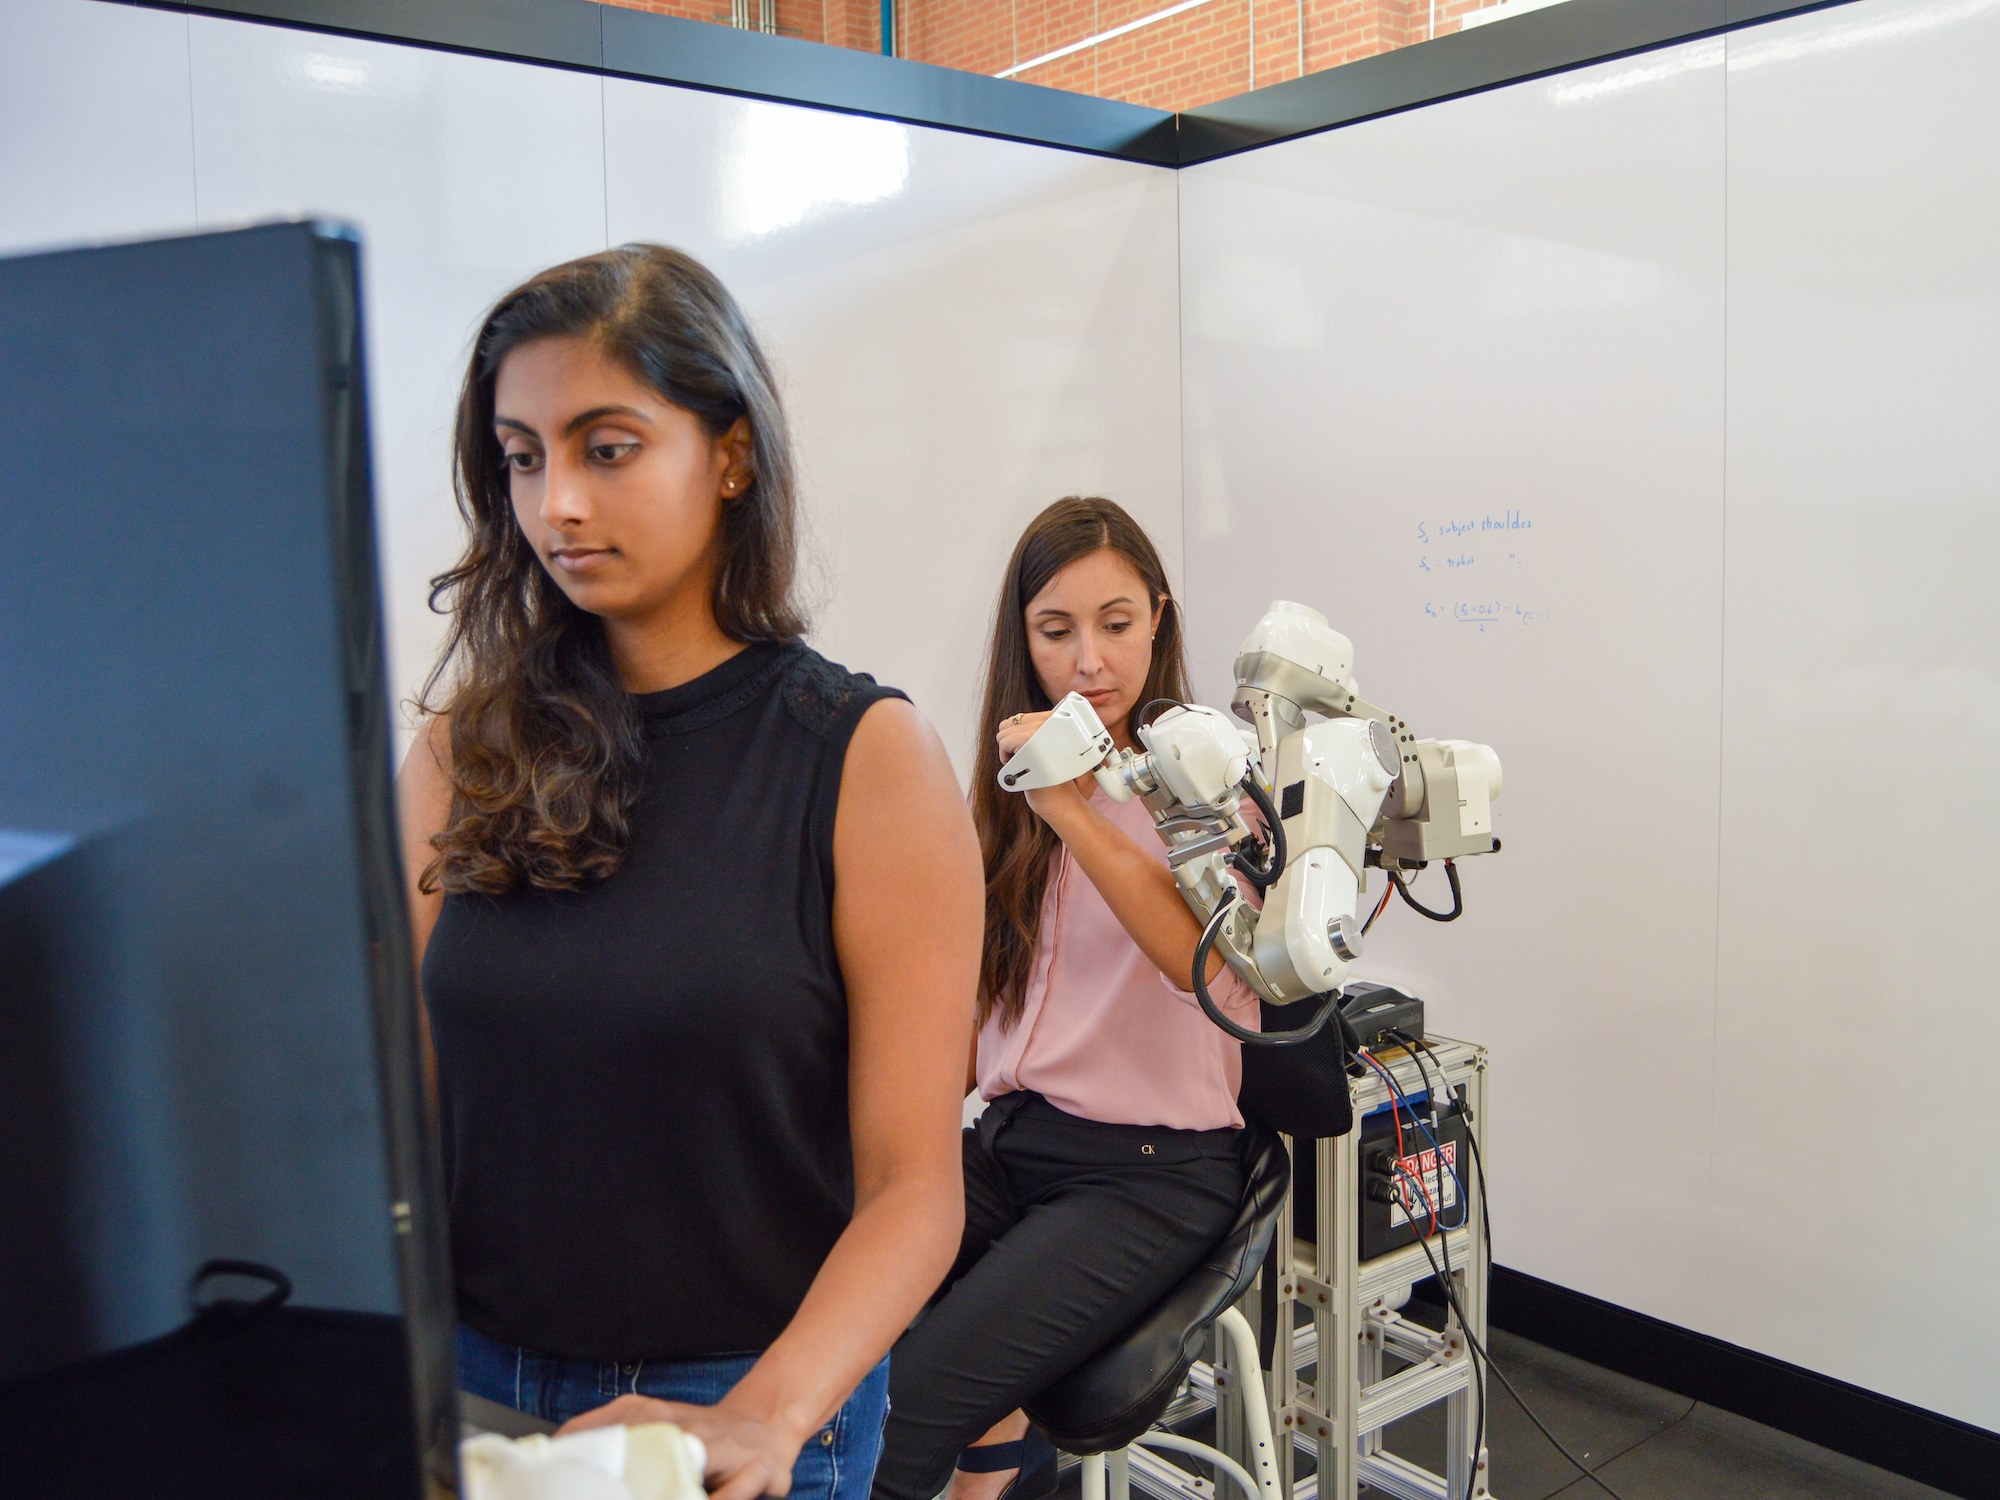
1397, 1120
1430, 1203
1394, 1118
1378, 907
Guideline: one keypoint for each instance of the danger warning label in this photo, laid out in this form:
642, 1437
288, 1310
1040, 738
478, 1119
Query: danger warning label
1429, 1187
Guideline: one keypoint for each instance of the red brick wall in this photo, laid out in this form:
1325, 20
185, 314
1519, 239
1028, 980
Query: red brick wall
847, 23
1197, 57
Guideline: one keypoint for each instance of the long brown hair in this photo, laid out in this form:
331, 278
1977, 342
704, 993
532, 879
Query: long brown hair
1018, 846
546, 751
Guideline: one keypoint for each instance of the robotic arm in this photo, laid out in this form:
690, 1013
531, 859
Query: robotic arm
1355, 789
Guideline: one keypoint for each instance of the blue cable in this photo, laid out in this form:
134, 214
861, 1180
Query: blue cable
1464, 1202
1397, 1096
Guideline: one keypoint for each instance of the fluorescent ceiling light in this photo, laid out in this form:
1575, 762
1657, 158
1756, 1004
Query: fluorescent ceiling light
1105, 36
1502, 11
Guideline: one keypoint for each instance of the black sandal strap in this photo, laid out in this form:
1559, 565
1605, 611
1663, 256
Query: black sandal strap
993, 1458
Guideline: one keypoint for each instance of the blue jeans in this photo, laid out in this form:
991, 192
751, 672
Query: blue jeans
836, 1463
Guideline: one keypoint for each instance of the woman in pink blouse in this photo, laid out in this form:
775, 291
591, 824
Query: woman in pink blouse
1104, 1166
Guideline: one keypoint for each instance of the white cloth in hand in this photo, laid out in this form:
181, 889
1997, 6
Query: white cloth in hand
656, 1461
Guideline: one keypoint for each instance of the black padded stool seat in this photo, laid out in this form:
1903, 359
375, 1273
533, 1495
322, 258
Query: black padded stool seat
1120, 1391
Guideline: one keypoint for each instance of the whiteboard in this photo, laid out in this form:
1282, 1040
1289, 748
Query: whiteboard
1860, 869
1639, 421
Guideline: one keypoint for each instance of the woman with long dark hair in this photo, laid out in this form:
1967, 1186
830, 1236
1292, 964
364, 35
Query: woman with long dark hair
1104, 1166
696, 909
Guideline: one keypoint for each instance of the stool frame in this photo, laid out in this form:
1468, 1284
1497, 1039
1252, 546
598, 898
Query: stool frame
1108, 1476
1350, 1307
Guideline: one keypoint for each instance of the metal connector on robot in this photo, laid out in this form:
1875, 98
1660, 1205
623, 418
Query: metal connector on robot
1442, 806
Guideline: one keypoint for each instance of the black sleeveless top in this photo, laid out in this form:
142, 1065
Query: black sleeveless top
643, 1083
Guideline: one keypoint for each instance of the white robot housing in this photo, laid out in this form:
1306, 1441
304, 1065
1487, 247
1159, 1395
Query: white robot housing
1353, 790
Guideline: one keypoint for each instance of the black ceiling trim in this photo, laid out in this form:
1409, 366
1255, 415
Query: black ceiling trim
721, 58
583, 34
596, 38
1533, 45
562, 33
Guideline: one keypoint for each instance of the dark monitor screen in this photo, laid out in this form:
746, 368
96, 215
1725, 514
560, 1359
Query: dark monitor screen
210, 1049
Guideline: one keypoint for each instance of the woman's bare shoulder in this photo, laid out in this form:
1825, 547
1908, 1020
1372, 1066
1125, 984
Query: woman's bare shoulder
424, 783
894, 753
897, 778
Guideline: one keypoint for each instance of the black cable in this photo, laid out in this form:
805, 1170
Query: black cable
1444, 1244
1397, 1095
1478, 1353
1443, 1091
1410, 1045
1478, 1385
1485, 1224
1457, 896
1380, 907
1242, 1033
1155, 703
1451, 1295
1485, 1219
1350, 1045
1478, 1163
1266, 877
1439, 1168
1436, 1090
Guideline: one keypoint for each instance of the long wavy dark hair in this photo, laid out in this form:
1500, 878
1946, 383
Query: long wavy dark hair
546, 751
1019, 848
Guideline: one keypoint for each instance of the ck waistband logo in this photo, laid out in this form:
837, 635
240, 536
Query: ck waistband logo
1147, 1151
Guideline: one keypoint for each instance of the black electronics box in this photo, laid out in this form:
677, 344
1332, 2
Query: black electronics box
1375, 1010
1431, 1177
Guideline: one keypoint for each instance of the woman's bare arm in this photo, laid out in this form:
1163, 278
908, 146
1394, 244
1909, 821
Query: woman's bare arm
423, 802
907, 911
1139, 889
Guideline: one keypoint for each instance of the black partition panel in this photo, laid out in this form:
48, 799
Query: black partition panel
210, 1034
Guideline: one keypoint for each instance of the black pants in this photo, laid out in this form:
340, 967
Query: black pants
1073, 1231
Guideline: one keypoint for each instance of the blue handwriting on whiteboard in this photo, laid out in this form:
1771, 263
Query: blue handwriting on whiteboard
1484, 612
1457, 526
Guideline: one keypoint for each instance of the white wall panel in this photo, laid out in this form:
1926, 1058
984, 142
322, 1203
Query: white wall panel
1454, 377
463, 174
966, 329
95, 140
1862, 671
